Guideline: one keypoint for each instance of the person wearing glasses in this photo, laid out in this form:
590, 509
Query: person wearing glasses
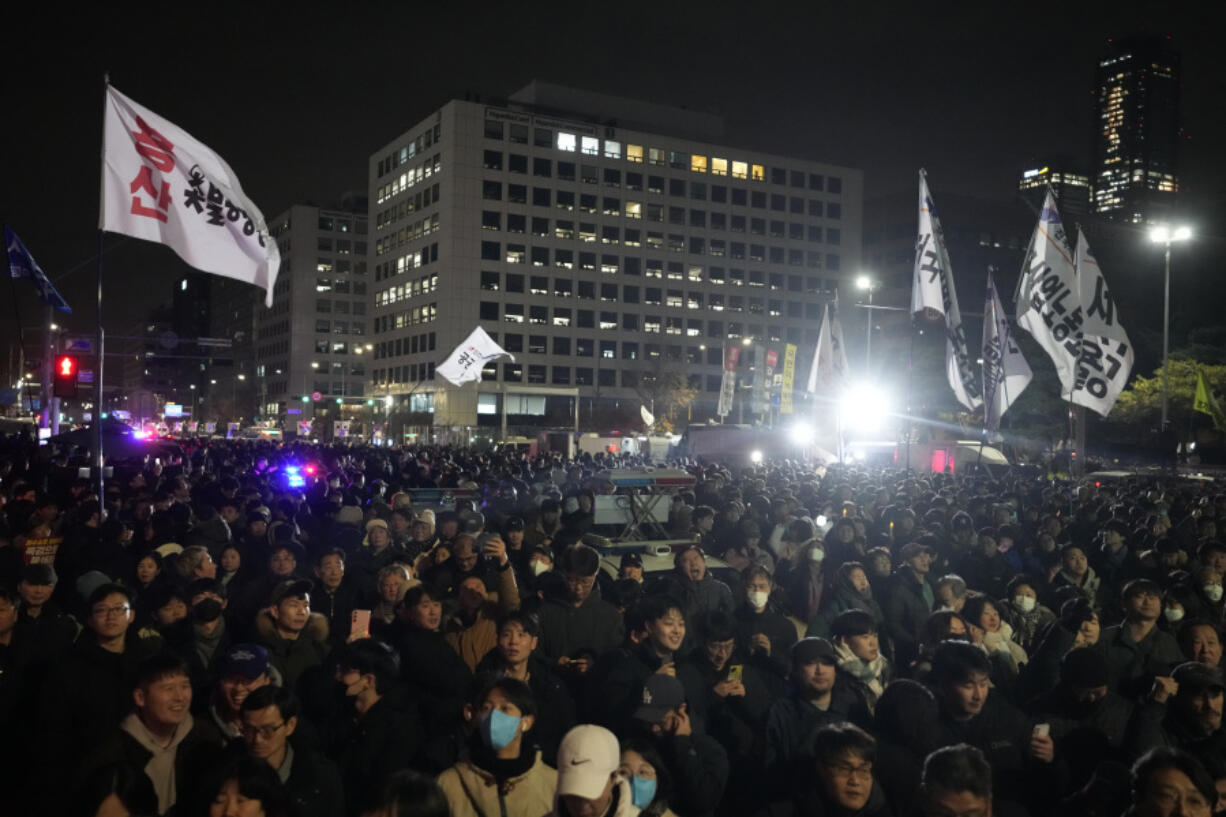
841, 756
241, 670
270, 718
85, 695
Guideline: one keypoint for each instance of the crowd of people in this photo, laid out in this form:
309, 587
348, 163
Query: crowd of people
308, 631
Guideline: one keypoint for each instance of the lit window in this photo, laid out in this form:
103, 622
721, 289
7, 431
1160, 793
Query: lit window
634, 153
590, 144
634, 209
655, 156
566, 141
613, 150
759, 173
740, 170
698, 164
719, 167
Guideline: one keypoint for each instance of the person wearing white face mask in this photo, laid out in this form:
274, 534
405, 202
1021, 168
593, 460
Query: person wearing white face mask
1208, 584
799, 570
762, 630
1028, 618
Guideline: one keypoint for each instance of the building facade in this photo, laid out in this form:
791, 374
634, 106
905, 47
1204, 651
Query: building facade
600, 242
1070, 186
314, 338
1136, 130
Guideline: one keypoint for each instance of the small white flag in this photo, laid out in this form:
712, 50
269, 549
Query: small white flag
466, 362
648, 417
1048, 300
1006, 373
821, 372
1106, 358
933, 288
161, 184
838, 350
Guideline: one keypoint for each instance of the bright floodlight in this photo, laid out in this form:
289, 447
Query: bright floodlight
387, 401
755, 456
863, 282
1161, 234
864, 407
801, 433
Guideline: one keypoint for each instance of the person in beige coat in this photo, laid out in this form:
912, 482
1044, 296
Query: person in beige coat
502, 771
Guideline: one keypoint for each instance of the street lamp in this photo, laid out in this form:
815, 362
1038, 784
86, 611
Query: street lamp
1162, 234
867, 283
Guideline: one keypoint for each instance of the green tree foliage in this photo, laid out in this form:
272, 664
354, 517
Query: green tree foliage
1141, 402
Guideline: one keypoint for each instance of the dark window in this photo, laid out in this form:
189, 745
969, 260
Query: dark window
517, 163
542, 167
493, 160
489, 311
491, 251
491, 190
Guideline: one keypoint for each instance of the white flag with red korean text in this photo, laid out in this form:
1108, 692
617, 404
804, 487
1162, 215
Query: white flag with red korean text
161, 184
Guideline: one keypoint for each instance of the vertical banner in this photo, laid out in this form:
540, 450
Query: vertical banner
762, 379
1106, 357
933, 288
727, 386
1005, 371
789, 377
1048, 297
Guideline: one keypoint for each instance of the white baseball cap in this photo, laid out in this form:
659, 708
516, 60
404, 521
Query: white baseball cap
587, 757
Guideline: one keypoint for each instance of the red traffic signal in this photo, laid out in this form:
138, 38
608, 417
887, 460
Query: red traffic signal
65, 381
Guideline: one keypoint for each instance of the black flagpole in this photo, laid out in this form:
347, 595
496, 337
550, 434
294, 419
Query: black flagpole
100, 351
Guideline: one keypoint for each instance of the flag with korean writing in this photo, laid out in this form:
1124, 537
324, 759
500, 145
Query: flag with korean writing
469, 358
23, 265
838, 350
1048, 300
1006, 374
161, 184
933, 290
1106, 357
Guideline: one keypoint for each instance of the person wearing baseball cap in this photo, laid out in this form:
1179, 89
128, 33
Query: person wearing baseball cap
1184, 712
697, 763
241, 669
817, 698
588, 783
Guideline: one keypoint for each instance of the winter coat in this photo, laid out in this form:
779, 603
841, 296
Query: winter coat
1134, 665
314, 785
337, 607
791, 721
436, 676
703, 596
906, 608
385, 739
293, 657
841, 598
775, 626
616, 685
193, 751
473, 792
594, 626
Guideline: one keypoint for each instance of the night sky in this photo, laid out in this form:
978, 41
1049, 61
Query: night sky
296, 99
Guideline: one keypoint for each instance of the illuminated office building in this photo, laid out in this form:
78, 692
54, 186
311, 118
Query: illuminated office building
1136, 130
601, 241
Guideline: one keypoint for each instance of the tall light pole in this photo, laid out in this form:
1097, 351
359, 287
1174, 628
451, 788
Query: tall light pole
1167, 236
867, 283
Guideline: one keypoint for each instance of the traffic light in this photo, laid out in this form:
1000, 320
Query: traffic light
65, 381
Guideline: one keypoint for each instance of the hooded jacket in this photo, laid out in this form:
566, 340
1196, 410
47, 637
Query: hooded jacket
293, 657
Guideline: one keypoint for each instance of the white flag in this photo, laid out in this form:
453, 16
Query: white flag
1048, 301
1005, 371
466, 362
821, 371
1105, 362
162, 185
933, 288
838, 350
648, 417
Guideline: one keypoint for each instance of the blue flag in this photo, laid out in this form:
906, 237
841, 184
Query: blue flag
23, 265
